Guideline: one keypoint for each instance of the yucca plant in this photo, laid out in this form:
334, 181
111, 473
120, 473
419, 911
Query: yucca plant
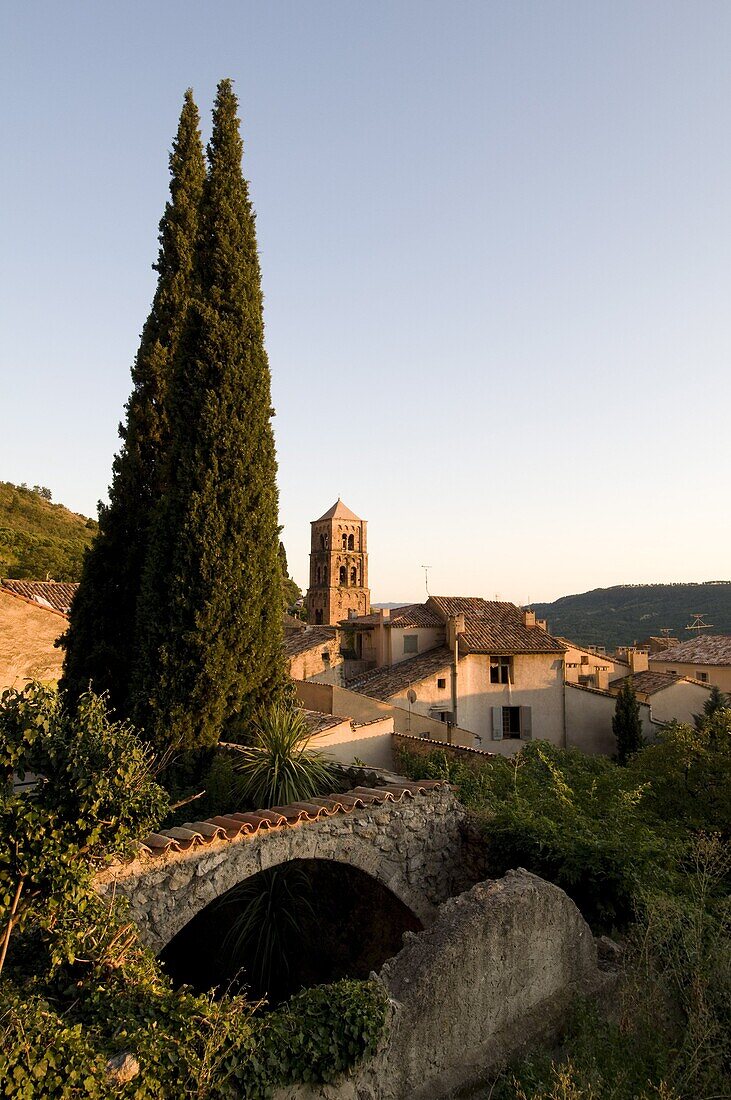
279, 767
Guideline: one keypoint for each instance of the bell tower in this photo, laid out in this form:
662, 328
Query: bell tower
338, 567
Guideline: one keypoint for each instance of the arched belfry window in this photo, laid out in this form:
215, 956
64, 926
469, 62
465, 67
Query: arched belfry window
353, 575
324, 575
351, 542
345, 542
343, 575
323, 542
319, 575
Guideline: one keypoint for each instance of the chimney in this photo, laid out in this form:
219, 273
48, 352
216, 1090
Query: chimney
455, 627
529, 617
638, 659
384, 614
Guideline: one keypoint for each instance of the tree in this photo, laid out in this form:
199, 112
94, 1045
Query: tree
715, 702
280, 768
626, 723
100, 641
291, 591
210, 629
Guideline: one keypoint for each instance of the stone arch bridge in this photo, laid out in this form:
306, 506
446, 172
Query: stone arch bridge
407, 836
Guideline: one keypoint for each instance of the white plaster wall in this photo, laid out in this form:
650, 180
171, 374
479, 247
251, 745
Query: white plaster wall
538, 684
589, 721
428, 638
370, 743
679, 702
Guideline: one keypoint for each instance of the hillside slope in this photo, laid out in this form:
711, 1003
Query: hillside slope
38, 538
631, 612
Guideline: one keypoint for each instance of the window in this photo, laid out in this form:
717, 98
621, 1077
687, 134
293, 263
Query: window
702, 676
343, 575
318, 616
323, 542
411, 643
324, 575
441, 683
354, 576
351, 542
345, 542
319, 574
588, 681
500, 670
511, 723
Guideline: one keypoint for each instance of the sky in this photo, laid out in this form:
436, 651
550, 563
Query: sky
495, 241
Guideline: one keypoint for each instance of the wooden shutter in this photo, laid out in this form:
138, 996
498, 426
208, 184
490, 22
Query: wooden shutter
526, 730
497, 723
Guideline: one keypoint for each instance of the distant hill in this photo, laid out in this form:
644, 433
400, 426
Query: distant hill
38, 538
631, 612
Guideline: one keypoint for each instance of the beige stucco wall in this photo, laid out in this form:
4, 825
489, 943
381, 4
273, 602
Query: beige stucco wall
371, 743
27, 634
427, 638
331, 699
305, 666
679, 702
589, 721
581, 662
720, 675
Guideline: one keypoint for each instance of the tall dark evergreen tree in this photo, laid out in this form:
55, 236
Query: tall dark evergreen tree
626, 723
100, 640
210, 613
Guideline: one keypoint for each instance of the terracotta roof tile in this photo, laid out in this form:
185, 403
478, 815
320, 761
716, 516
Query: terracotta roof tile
301, 641
649, 682
492, 626
338, 511
383, 683
713, 649
230, 827
54, 595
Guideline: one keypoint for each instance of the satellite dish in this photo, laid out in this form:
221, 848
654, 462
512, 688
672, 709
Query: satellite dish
411, 695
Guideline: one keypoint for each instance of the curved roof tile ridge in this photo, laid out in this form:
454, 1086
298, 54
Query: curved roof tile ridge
227, 827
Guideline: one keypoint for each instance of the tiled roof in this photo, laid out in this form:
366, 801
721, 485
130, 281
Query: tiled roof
599, 657
338, 511
55, 595
713, 649
495, 627
300, 641
319, 722
289, 622
240, 825
383, 683
413, 615
648, 682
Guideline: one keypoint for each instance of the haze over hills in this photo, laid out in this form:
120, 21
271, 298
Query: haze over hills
631, 612
38, 538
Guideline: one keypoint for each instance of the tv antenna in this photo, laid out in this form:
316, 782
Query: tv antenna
698, 623
426, 569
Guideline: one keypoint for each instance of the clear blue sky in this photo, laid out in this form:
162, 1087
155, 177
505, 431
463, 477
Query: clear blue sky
496, 253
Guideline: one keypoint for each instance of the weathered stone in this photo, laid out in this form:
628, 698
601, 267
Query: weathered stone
123, 1068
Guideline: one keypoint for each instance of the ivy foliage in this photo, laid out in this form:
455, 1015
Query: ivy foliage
77, 986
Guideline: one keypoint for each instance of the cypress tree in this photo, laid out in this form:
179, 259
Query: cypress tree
626, 723
210, 625
100, 639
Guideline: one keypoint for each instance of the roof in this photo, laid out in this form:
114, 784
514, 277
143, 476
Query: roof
590, 652
338, 511
650, 682
410, 615
383, 683
53, 595
495, 627
713, 649
300, 641
319, 722
289, 622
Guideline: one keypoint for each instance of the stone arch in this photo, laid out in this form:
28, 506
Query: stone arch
343, 575
345, 542
187, 885
351, 542
353, 576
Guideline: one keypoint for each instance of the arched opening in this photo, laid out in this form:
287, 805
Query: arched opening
353, 576
318, 617
343, 574
300, 924
345, 542
351, 542
324, 574
323, 542
319, 574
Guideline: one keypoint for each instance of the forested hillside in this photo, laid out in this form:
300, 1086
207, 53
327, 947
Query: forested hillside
631, 612
39, 538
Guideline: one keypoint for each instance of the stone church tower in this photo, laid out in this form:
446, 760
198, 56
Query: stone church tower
338, 567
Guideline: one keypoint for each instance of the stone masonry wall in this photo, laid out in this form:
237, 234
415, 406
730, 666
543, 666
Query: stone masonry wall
494, 974
414, 848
